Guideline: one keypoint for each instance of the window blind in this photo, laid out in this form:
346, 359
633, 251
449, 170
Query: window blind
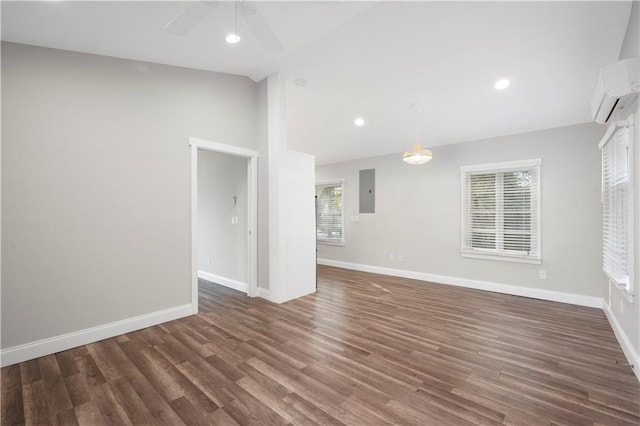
329, 212
616, 202
501, 210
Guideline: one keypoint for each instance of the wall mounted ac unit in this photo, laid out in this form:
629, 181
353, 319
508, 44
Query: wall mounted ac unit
617, 89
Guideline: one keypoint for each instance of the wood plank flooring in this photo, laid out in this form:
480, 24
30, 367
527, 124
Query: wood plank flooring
364, 350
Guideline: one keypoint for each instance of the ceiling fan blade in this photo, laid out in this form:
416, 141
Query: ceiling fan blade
260, 29
186, 20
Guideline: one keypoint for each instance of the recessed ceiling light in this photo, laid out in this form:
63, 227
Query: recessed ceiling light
359, 121
502, 84
232, 38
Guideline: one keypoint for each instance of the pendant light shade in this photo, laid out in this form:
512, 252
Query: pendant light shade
417, 155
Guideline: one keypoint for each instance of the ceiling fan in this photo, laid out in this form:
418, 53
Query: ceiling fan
186, 20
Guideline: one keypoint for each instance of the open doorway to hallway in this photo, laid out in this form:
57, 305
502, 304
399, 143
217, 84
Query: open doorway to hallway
223, 219
224, 216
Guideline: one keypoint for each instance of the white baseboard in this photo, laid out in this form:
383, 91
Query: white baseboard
625, 343
236, 285
264, 293
27, 351
536, 293
227, 282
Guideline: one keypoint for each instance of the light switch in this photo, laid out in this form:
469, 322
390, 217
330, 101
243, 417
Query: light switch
234, 220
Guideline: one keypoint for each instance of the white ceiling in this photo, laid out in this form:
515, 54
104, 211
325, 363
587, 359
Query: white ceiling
369, 59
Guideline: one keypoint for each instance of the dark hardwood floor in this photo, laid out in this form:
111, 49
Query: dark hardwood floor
365, 350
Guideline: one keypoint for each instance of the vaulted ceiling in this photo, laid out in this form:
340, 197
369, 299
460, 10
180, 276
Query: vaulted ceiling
367, 59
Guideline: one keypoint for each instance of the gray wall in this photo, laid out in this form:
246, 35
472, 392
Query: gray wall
222, 245
96, 184
418, 211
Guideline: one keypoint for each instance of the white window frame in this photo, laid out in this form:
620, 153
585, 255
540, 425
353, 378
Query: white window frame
626, 286
333, 241
495, 254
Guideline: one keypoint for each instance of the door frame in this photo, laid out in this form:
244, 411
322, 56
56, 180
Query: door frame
252, 207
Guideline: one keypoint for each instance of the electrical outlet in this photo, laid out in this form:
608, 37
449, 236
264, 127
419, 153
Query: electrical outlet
390, 256
400, 258
209, 260
542, 274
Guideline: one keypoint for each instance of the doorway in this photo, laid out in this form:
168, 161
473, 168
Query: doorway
241, 209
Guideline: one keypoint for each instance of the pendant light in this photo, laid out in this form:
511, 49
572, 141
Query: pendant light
417, 154
233, 37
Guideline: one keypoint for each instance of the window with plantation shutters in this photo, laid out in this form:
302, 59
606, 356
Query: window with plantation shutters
329, 212
501, 211
617, 205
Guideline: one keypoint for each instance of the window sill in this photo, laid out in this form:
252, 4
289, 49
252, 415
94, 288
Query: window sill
625, 293
502, 258
330, 243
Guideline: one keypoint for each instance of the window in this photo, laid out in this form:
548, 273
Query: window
501, 211
617, 206
329, 212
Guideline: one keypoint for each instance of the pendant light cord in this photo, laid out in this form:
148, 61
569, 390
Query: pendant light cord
417, 109
235, 18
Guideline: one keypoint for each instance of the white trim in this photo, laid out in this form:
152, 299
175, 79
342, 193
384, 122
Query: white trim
331, 182
221, 147
252, 234
607, 135
226, 282
502, 257
503, 166
194, 229
271, 297
623, 340
630, 288
51, 345
535, 293
612, 128
624, 291
264, 293
329, 242
252, 208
